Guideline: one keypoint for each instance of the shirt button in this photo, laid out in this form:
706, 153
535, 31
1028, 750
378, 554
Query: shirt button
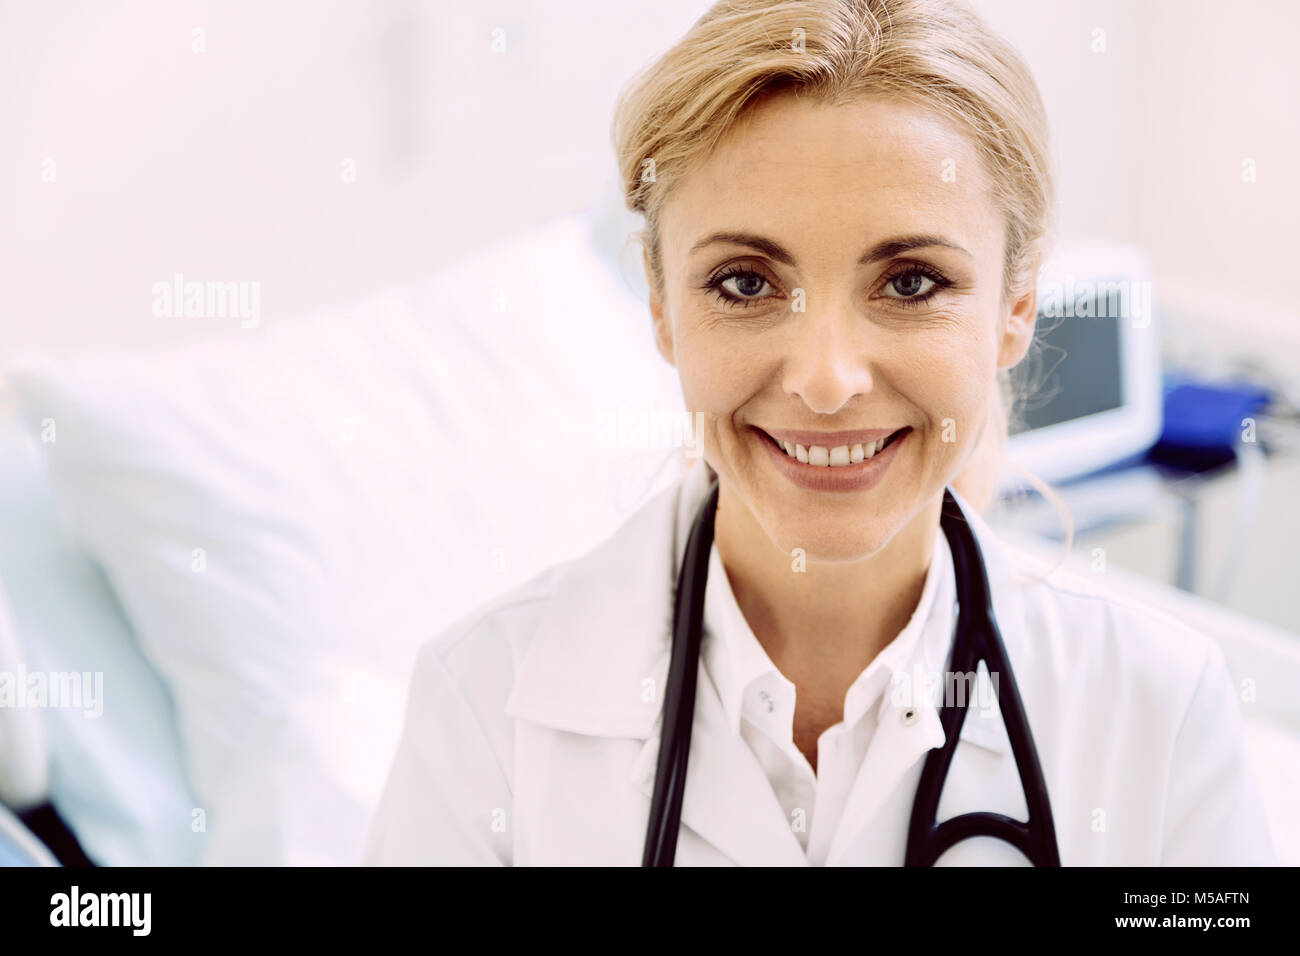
908, 716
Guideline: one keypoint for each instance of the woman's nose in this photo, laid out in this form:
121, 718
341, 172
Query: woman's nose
827, 363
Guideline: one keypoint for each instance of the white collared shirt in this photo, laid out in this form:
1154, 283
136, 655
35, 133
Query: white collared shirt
759, 702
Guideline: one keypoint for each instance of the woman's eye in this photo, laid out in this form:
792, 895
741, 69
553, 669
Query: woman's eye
744, 285
909, 285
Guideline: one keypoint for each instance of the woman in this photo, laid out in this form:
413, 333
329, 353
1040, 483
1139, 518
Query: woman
846, 205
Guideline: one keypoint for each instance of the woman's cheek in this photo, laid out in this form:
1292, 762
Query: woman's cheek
719, 371
944, 385
700, 384
705, 392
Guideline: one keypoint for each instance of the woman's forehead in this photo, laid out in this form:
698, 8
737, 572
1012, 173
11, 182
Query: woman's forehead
805, 166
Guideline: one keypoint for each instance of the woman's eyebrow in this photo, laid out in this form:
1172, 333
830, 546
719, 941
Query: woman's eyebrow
881, 250
769, 248
892, 247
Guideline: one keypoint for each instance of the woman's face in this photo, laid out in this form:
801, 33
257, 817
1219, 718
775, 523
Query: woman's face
837, 269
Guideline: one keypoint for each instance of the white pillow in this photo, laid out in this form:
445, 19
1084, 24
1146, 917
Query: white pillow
287, 512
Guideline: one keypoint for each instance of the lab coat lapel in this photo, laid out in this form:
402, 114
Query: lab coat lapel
894, 756
598, 663
599, 656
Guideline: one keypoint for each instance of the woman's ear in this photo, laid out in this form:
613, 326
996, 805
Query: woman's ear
1018, 332
663, 329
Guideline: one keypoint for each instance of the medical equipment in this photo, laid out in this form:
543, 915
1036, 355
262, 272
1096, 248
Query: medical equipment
1094, 370
976, 639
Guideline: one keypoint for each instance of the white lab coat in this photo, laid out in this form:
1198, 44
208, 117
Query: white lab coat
532, 731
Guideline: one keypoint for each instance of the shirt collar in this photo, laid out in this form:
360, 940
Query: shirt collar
743, 672
599, 650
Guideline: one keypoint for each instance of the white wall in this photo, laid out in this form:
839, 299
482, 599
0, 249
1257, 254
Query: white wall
1224, 89
1153, 136
226, 164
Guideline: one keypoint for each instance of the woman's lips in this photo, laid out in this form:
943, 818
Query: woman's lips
851, 477
830, 439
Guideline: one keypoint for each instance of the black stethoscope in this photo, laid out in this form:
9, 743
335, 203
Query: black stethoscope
977, 638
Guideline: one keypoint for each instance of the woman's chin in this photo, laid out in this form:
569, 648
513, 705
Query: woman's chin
828, 543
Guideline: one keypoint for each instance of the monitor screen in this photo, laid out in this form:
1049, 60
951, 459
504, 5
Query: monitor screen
1074, 367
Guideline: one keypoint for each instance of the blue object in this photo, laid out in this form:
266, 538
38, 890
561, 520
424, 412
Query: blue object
1203, 423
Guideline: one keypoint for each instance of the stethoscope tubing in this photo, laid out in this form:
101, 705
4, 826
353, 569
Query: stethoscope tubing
683, 667
977, 638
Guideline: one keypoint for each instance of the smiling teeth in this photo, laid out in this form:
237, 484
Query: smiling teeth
836, 457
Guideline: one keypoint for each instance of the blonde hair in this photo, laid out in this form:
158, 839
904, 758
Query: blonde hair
937, 54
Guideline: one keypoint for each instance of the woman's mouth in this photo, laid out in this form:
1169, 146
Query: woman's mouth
842, 467
838, 456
